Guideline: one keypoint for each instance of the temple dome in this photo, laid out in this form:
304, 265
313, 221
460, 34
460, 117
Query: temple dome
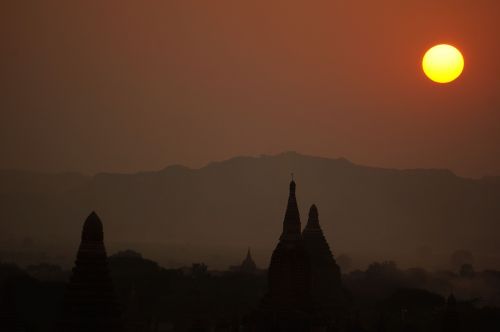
92, 228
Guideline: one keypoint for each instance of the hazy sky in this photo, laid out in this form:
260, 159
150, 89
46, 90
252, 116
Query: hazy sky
133, 85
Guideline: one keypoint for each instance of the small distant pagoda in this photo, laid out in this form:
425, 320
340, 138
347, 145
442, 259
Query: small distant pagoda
248, 265
89, 303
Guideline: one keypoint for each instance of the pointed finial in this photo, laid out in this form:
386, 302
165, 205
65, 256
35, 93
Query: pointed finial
292, 186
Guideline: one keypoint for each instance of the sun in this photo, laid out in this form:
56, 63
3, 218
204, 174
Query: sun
443, 63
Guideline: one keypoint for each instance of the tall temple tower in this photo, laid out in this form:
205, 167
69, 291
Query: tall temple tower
287, 304
89, 302
325, 273
289, 270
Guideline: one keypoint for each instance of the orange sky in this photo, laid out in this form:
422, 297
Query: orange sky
132, 85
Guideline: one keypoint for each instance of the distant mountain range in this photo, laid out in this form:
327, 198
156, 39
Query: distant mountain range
414, 216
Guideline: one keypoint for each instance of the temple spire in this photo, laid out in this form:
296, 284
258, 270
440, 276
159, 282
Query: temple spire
92, 228
291, 222
313, 221
325, 272
248, 264
288, 275
249, 255
89, 302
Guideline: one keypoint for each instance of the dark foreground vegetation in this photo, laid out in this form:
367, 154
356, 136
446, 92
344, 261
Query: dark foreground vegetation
151, 298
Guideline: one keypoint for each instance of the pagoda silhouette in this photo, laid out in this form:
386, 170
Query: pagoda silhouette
289, 278
325, 273
248, 265
89, 303
294, 276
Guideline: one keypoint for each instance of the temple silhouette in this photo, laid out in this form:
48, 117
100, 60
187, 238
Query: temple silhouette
325, 273
304, 290
89, 302
303, 277
248, 266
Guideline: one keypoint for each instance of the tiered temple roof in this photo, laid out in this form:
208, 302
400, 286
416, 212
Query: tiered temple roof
289, 270
89, 303
325, 273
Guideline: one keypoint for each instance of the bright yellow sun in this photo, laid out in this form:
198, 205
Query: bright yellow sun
443, 63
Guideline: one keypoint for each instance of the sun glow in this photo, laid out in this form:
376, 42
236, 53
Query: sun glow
443, 63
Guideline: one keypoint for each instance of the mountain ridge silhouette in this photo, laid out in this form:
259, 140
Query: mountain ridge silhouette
368, 212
